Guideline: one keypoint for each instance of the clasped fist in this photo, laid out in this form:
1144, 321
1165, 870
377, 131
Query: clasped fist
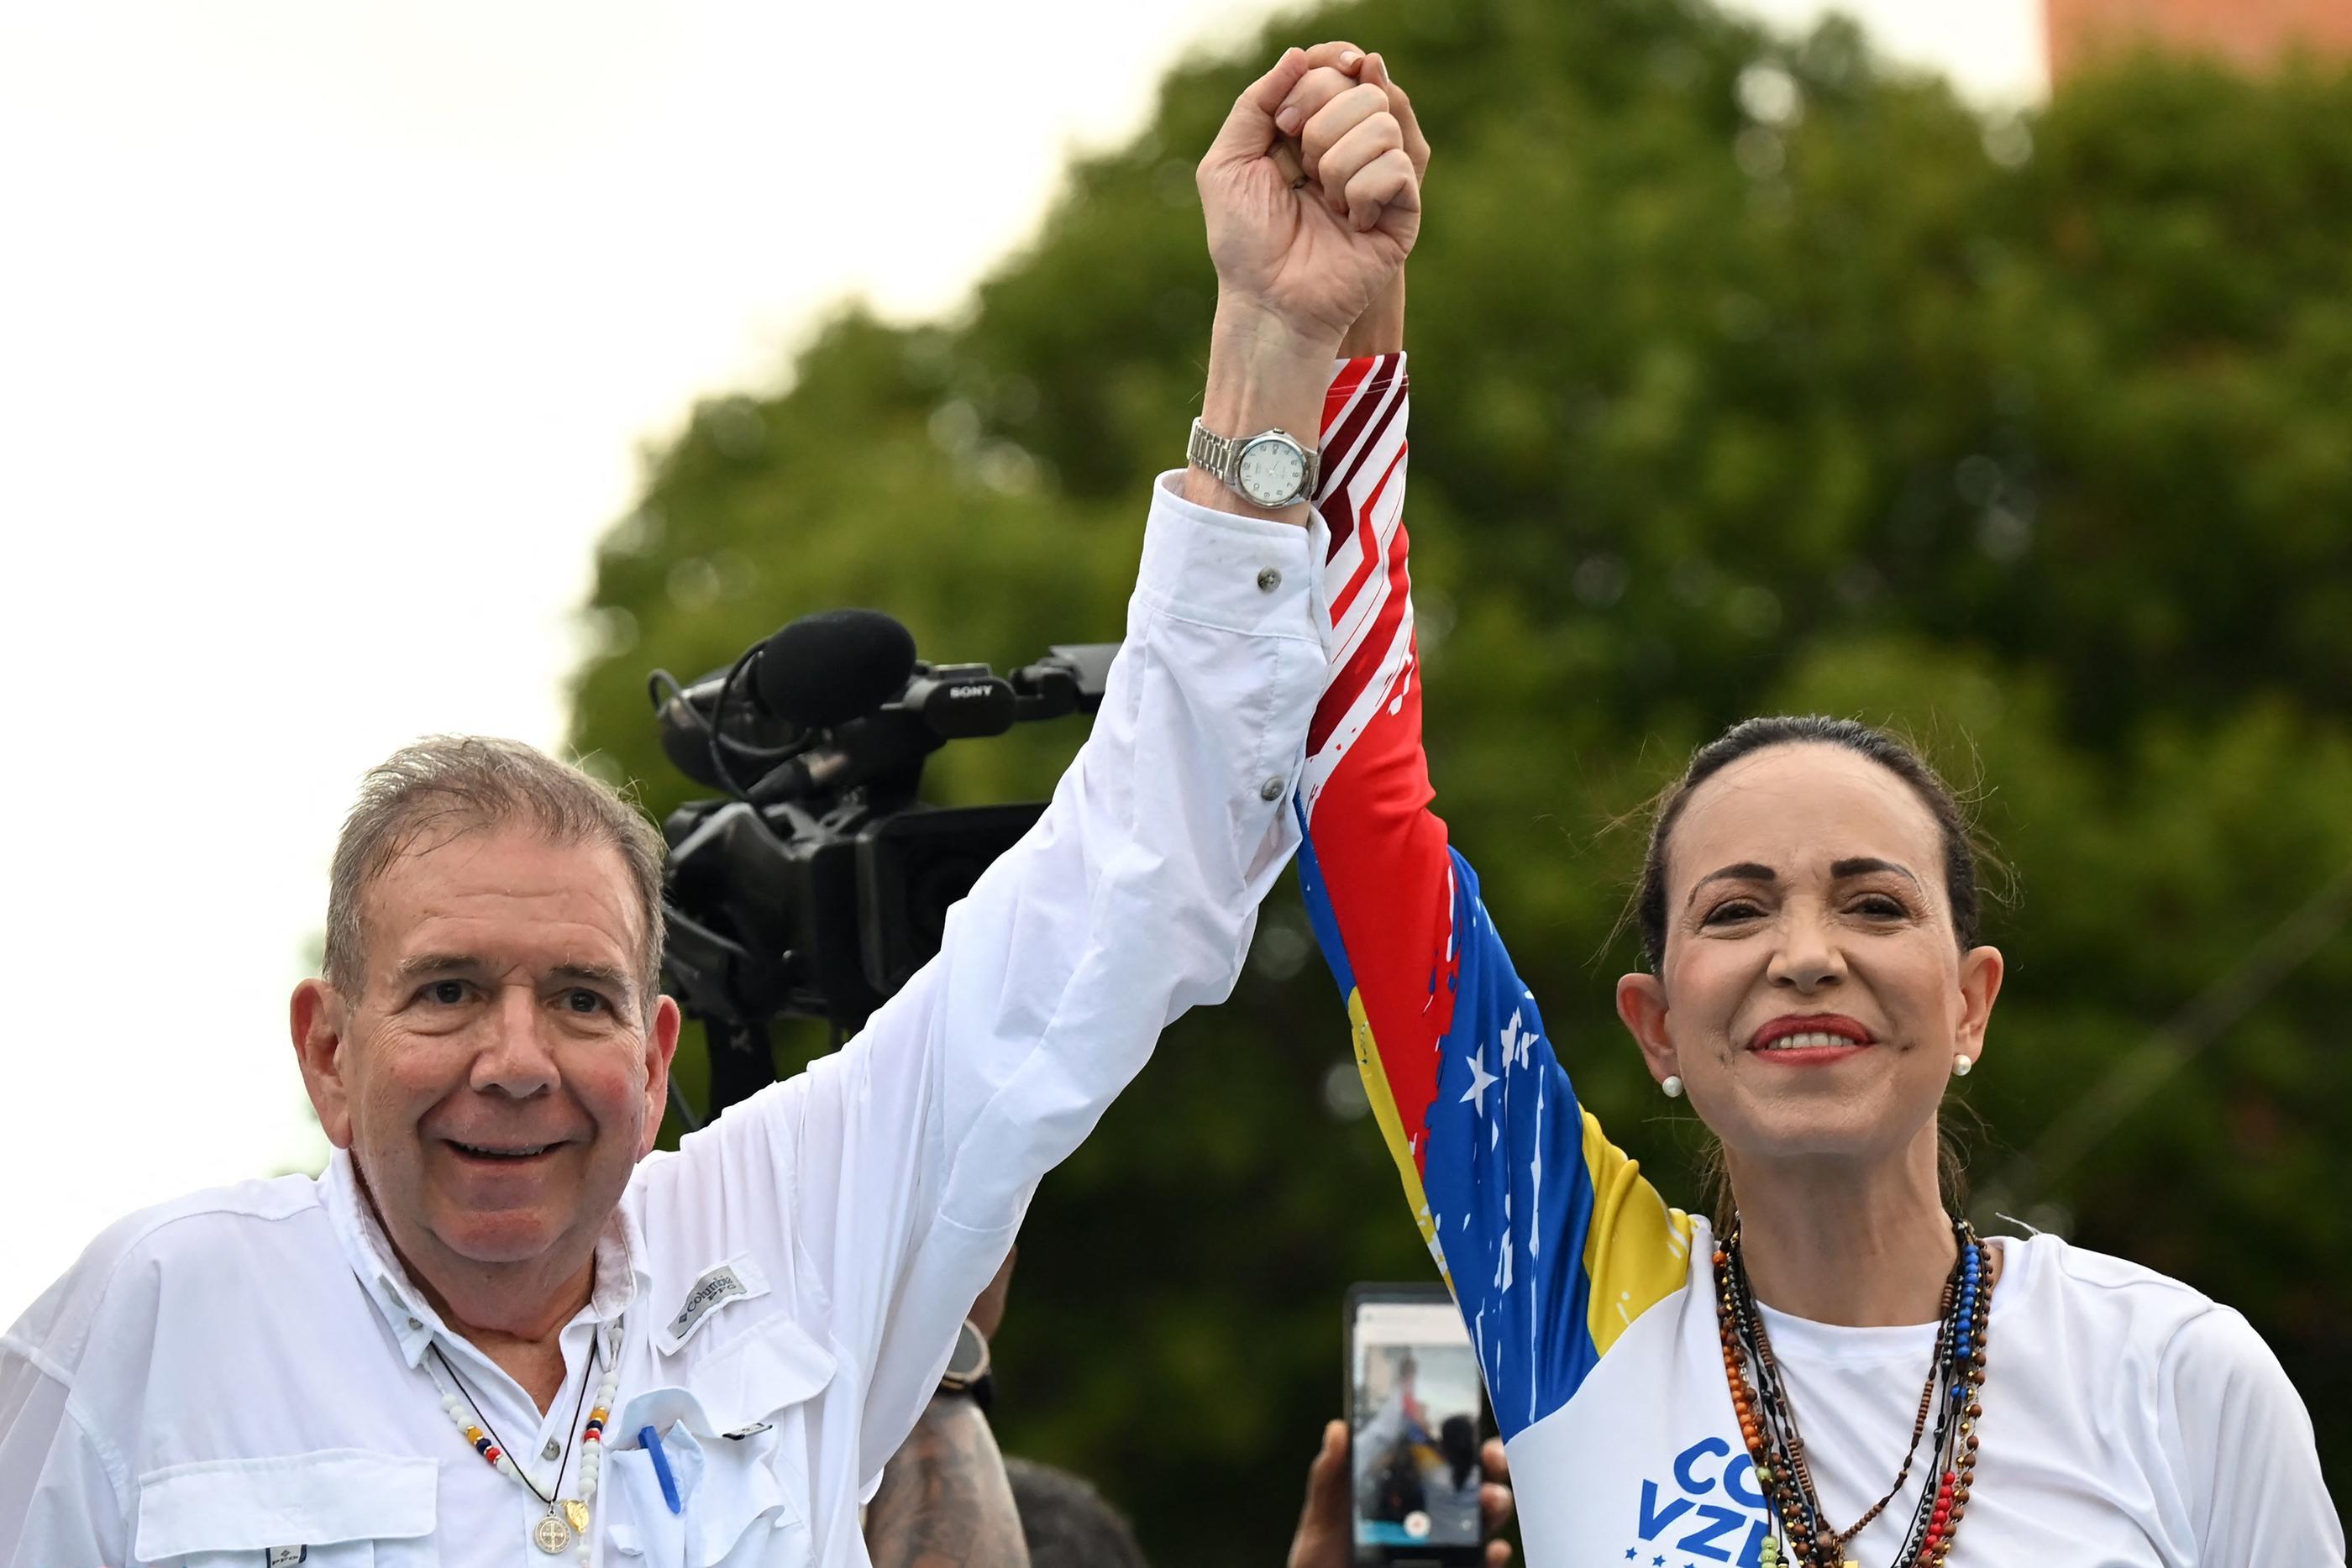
1311, 259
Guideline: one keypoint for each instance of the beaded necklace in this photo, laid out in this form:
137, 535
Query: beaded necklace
1803, 1537
567, 1521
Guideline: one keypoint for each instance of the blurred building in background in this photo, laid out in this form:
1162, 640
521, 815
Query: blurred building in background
2249, 33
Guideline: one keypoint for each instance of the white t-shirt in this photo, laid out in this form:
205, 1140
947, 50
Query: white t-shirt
244, 1376
2128, 1421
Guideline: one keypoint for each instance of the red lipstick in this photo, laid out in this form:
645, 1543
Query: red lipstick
1836, 1036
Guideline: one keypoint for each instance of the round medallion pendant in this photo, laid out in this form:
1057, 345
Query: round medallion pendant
550, 1535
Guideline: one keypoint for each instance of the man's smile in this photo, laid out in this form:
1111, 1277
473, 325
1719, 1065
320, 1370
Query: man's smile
504, 1152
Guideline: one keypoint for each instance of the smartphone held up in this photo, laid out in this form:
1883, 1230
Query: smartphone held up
1416, 1419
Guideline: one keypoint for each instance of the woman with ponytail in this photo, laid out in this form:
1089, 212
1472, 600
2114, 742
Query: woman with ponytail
1835, 1369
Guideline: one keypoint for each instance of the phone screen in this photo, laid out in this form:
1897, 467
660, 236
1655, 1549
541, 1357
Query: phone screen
1415, 1412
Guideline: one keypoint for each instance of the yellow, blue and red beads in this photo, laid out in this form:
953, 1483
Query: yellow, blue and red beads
483, 1446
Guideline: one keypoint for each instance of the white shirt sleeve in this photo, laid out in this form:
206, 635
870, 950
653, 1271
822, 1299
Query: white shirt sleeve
897, 1169
57, 1500
2241, 1442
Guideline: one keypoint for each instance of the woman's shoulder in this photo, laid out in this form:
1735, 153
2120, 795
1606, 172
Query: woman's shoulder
2128, 1307
2214, 1414
2056, 1274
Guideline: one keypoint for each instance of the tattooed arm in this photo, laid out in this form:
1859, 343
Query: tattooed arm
944, 1500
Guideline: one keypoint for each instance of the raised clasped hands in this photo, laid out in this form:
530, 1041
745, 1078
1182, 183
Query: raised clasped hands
1303, 272
1309, 261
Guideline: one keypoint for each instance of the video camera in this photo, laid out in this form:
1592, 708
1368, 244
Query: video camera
819, 883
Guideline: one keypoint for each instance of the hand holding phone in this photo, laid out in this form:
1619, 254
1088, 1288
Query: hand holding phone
1325, 1537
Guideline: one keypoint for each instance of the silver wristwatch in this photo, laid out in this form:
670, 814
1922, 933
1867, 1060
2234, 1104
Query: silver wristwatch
1270, 468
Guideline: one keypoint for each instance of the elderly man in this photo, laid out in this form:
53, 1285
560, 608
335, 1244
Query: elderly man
496, 1331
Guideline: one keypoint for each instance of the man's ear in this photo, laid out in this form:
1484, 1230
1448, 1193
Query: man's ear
318, 1018
1641, 1003
661, 1046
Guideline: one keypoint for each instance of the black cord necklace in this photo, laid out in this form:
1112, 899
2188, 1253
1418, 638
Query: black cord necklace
1768, 1420
565, 1521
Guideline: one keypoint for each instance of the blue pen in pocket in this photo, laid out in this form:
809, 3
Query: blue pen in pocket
650, 1440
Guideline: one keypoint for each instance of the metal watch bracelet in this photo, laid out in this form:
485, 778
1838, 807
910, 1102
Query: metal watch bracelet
1222, 456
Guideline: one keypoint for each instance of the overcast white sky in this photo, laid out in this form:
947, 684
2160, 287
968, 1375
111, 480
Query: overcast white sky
329, 335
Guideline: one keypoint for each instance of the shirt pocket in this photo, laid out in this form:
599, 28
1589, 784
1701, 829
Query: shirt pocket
337, 1508
736, 1444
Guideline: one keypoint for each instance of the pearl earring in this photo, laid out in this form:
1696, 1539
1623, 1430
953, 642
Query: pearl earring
1673, 1086
1963, 1065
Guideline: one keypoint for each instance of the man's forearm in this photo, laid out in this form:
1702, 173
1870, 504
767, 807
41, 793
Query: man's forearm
1263, 375
1258, 381
944, 1502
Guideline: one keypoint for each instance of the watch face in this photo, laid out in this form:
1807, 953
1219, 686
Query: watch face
1271, 471
970, 1356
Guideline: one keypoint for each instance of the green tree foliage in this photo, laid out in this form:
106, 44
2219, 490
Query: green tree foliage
1750, 376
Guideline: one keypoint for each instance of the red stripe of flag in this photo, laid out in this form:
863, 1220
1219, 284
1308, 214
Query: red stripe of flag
1365, 660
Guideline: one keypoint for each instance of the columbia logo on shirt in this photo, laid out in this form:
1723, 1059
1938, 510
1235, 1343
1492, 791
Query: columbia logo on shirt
719, 1285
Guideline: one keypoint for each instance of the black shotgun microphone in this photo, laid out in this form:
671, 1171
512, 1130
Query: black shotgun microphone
828, 668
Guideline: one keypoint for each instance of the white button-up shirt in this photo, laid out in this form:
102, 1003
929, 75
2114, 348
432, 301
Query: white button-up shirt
244, 1376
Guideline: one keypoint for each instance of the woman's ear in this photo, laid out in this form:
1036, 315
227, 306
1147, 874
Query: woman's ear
1981, 969
1641, 1003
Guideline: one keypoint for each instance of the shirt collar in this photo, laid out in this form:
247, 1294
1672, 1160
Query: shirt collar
620, 1274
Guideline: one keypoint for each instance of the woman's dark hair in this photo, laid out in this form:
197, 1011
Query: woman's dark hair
1754, 735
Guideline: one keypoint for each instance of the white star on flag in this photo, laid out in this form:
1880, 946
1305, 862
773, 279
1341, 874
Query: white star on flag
1479, 1079
1518, 1045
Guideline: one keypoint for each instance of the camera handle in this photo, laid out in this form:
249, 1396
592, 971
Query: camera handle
742, 1061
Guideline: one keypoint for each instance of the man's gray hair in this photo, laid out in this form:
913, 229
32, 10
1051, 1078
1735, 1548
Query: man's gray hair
453, 784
